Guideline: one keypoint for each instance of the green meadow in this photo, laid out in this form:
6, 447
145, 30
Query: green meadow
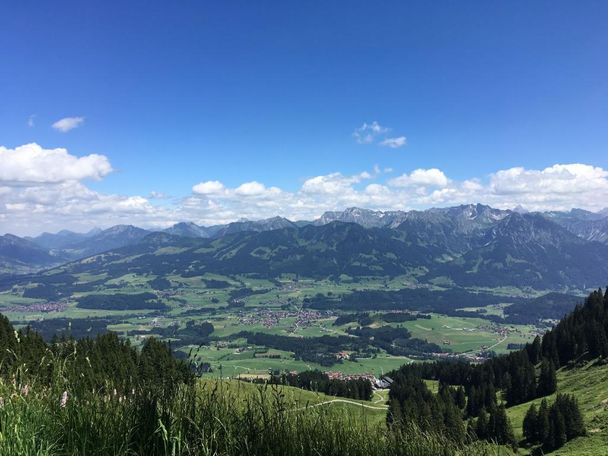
271, 307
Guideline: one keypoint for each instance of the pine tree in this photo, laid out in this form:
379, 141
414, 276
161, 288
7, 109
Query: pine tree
547, 381
481, 425
522, 379
473, 405
530, 424
549, 347
557, 430
394, 412
534, 350
489, 398
453, 423
542, 422
570, 411
499, 426
596, 340
460, 398
576, 424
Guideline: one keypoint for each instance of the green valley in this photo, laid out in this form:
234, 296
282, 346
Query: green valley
287, 306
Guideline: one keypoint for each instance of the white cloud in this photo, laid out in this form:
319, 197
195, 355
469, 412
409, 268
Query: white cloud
377, 191
370, 133
54, 206
30, 121
394, 143
158, 195
472, 185
333, 184
31, 163
208, 188
252, 188
68, 123
556, 179
418, 189
433, 177
43, 190
367, 133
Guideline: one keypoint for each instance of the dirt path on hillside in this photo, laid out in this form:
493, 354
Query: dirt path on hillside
343, 401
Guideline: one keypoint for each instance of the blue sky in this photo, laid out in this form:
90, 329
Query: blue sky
174, 94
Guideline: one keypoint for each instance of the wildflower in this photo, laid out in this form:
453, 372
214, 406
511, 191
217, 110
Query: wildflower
64, 399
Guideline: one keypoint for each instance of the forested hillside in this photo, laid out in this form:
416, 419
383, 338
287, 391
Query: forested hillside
472, 398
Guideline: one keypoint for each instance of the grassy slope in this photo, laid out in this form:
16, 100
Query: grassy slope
373, 412
590, 385
370, 414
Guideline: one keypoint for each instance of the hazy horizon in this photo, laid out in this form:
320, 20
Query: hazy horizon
169, 224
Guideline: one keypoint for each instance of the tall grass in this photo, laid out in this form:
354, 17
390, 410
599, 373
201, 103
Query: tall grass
64, 418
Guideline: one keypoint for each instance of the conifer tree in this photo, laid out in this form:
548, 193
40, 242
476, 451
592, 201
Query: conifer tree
547, 381
460, 398
473, 405
453, 423
534, 350
542, 422
481, 425
557, 430
597, 340
499, 427
573, 418
530, 424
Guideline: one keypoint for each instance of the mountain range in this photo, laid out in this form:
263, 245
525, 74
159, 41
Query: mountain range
469, 245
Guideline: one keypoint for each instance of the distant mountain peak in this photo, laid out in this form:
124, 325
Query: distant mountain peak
520, 209
466, 215
188, 229
276, 218
360, 211
121, 229
365, 217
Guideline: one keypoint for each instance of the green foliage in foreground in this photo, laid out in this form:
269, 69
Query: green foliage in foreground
102, 397
200, 420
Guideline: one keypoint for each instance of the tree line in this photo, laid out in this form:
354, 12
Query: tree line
520, 376
552, 426
104, 363
315, 380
